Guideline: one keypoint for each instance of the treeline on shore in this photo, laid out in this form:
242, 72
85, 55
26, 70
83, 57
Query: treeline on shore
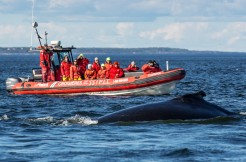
149, 50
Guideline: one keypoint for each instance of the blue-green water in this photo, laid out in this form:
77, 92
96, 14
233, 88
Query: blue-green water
57, 128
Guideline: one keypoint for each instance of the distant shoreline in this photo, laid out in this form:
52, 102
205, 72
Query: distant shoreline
147, 50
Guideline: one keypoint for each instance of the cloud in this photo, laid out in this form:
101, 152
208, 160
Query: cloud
234, 40
13, 35
64, 3
15, 6
124, 29
153, 7
171, 32
106, 41
174, 32
193, 24
125, 10
237, 37
219, 34
232, 33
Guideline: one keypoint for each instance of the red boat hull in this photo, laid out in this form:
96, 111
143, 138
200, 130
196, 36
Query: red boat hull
162, 82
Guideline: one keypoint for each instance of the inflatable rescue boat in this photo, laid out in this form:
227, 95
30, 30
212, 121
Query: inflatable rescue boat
134, 83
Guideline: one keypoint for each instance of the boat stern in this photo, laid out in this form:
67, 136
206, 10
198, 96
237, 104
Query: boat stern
10, 82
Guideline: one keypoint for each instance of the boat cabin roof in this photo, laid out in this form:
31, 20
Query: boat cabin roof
63, 49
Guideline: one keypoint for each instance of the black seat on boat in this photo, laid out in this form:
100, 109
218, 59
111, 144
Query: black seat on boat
37, 74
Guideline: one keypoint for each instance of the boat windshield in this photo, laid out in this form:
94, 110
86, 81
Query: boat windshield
59, 56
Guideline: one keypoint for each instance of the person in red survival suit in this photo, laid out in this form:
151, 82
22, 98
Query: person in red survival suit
45, 63
82, 63
65, 69
151, 67
75, 71
102, 73
108, 64
116, 71
96, 65
157, 66
90, 74
132, 67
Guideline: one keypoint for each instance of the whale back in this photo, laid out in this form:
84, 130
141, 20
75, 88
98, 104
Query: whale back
186, 107
197, 101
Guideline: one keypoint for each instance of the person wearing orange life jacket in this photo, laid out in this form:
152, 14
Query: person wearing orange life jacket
108, 64
96, 65
82, 62
90, 74
75, 71
45, 63
116, 71
132, 67
65, 69
102, 73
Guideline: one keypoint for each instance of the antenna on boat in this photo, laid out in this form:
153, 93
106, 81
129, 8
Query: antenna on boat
46, 38
35, 25
32, 22
167, 65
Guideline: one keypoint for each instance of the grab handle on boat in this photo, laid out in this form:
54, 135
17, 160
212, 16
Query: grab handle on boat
167, 66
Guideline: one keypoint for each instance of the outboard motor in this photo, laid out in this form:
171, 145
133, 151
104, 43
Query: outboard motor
10, 82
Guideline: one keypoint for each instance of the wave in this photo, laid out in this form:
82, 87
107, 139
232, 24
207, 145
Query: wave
4, 117
182, 152
242, 113
77, 119
80, 120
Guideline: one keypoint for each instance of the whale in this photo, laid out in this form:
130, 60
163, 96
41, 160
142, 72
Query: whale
186, 107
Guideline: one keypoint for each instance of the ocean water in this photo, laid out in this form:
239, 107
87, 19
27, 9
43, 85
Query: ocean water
62, 128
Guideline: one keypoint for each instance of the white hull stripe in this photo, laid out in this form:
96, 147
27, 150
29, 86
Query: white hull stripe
53, 85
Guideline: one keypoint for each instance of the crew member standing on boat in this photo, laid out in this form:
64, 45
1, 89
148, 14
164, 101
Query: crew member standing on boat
65, 69
75, 71
116, 71
82, 62
45, 63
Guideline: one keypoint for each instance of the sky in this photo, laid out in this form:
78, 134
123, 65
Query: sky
214, 25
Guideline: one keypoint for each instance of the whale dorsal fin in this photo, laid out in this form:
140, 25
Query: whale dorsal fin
200, 94
192, 96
